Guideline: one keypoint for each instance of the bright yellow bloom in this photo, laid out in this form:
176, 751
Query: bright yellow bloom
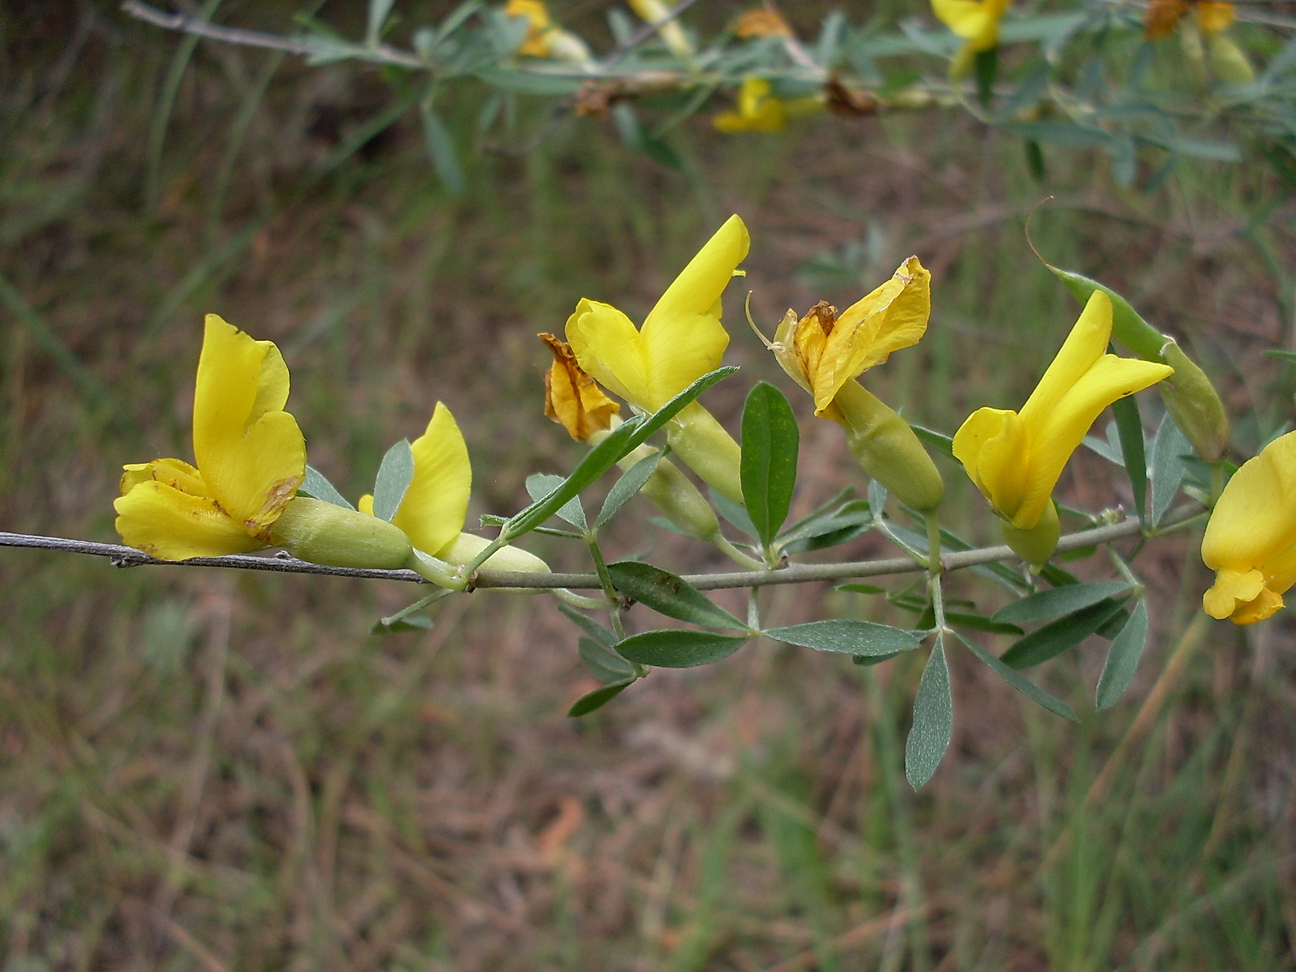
250, 454
681, 340
671, 33
1016, 459
544, 37
976, 21
572, 398
1250, 540
760, 110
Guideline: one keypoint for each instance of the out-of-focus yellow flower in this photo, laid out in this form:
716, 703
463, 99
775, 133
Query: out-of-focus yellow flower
760, 110
762, 23
671, 33
1016, 459
544, 37
976, 21
824, 352
1250, 540
681, 340
250, 456
1206, 44
572, 398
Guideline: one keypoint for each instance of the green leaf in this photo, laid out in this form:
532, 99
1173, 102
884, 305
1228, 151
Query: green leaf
937, 440
1035, 164
627, 487
528, 82
675, 648
1060, 635
1123, 658
441, 149
317, 487
861, 588
587, 624
978, 623
848, 637
1168, 467
670, 595
986, 68
1284, 355
1129, 426
378, 11
1128, 327
1062, 133
626, 438
734, 514
605, 663
540, 485
770, 440
598, 698
1018, 681
874, 659
412, 622
933, 720
395, 473
1047, 605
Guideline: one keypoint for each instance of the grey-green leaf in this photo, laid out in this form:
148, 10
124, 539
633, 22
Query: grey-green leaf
394, 476
317, 487
1168, 467
1047, 605
1020, 682
605, 663
670, 595
933, 720
625, 488
1129, 427
1060, 635
676, 648
540, 485
848, 637
378, 11
411, 622
441, 148
770, 441
1123, 658
587, 624
598, 698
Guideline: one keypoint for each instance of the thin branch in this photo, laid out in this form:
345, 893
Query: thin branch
121, 556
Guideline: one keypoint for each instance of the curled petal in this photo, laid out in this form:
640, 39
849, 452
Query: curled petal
173, 472
1086, 343
1254, 521
173, 525
436, 502
994, 447
572, 398
608, 347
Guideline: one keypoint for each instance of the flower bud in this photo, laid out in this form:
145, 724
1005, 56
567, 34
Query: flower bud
887, 449
1036, 545
469, 545
681, 502
1227, 60
1192, 401
704, 446
322, 533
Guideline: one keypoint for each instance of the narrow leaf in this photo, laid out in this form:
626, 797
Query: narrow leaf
675, 648
848, 637
734, 514
605, 663
978, 623
441, 149
670, 595
598, 698
1060, 635
1047, 605
378, 12
1123, 658
1168, 467
1129, 426
937, 440
625, 488
933, 720
317, 487
394, 475
540, 485
1020, 682
587, 624
412, 622
770, 440
873, 659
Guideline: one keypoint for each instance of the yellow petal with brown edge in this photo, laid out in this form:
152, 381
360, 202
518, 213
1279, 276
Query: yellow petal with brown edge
1086, 343
699, 285
168, 524
610, 349
994, 447
173, 472
1254, 520
1059, 433
891, 317
433, 510
252, 454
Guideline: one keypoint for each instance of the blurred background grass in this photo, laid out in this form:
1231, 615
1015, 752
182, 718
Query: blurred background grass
210, 771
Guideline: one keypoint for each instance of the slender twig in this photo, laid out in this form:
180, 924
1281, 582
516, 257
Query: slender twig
121, 556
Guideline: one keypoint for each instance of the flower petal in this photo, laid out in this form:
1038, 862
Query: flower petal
172, 525
1254, 520
174, 472
993, 446
572, 398
977, 21
1086, 343
252, 454
699, 285
433, 510
609, 348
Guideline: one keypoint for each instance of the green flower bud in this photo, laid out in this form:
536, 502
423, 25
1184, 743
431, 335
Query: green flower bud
681, 502
1192, 401
704, 446
333, 535
1036, 545
887, 449
468, 545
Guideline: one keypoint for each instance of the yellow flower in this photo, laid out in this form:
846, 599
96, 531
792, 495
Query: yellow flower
250, 454
1250, 540
1016, 459
759, 110
681, 340
572, 398
544, 37
976, 21
671, 33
